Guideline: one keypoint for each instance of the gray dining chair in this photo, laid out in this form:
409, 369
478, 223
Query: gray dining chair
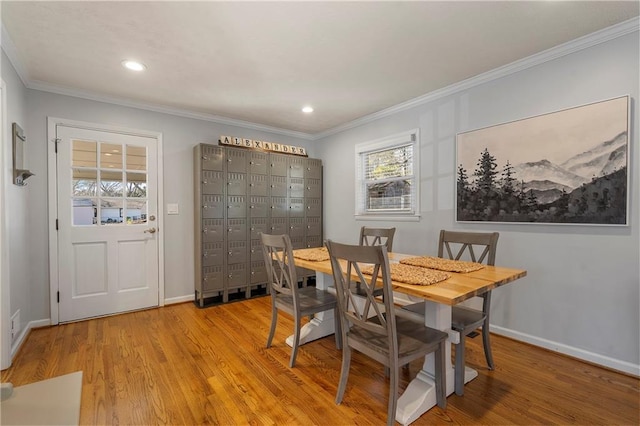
373, 329
476, 247
376, 237
285, 294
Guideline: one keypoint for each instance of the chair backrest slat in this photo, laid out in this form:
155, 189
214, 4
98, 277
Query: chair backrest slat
278, 258
347, 262
377, 237
466, 244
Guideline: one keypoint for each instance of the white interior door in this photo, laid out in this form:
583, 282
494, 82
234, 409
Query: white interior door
107, 202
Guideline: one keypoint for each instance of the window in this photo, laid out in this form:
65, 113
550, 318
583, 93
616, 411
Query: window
387, 177
107, 180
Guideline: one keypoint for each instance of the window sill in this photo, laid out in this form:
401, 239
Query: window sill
389, 217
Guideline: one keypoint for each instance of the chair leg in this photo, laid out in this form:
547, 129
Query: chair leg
338, 328
296, 341
441, 376
344, 373
486, 342
274, 321
393, 393
459, 373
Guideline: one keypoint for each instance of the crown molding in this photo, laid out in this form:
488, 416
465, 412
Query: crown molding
10, 49
581, 43
67, 91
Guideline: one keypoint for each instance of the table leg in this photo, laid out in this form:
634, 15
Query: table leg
420, 394
323, 323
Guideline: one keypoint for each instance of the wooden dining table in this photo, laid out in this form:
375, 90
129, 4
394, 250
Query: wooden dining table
420, 395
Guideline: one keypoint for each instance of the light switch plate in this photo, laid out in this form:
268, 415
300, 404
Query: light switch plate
172, 208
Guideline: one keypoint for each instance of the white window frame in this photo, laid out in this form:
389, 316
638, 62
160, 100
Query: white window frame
388, 142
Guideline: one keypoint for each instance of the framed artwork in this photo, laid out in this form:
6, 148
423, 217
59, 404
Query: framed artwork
564, 167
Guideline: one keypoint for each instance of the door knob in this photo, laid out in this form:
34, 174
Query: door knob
150, 230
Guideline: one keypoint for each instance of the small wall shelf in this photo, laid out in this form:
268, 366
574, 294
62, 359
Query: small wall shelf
20, 174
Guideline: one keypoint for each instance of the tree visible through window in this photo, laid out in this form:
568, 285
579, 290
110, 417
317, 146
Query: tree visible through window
109, 184
387, 179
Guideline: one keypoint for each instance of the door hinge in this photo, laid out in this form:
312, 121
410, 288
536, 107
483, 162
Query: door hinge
56, 141
56, 224
58, 297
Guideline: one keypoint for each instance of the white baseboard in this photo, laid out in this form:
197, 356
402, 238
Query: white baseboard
179, 299
605, 361
25, 332
15, 346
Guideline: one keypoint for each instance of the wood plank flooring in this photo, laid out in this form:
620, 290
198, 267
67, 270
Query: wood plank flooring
184, 365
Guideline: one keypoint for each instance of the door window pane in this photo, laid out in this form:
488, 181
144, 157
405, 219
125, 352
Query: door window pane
84, 211
84, 154
136, 212
111, 211
110, 156
136, 158
111, 183
84, 182
136, 184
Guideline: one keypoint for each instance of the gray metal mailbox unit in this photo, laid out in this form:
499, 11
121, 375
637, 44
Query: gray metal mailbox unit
240, 193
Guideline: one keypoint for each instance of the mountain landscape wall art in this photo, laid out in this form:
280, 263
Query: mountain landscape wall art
565, 167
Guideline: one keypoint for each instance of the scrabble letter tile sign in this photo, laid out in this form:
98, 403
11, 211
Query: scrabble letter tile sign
262, 145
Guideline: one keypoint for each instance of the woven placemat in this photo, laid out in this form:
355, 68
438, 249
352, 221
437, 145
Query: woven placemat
443, 264
411, 274
315, 254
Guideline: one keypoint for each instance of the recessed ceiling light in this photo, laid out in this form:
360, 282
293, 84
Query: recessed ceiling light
133, 65
307, 109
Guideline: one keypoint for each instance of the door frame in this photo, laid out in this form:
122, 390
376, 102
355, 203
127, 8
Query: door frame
52, 123
5, 286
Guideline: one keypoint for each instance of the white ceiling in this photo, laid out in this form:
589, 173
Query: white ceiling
260, 62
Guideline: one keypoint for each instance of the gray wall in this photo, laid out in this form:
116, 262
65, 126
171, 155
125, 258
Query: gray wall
21, 279
582, 292
179, 136
28, 215
581, 295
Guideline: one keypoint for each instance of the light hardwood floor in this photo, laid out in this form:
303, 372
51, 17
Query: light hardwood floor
184, 365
